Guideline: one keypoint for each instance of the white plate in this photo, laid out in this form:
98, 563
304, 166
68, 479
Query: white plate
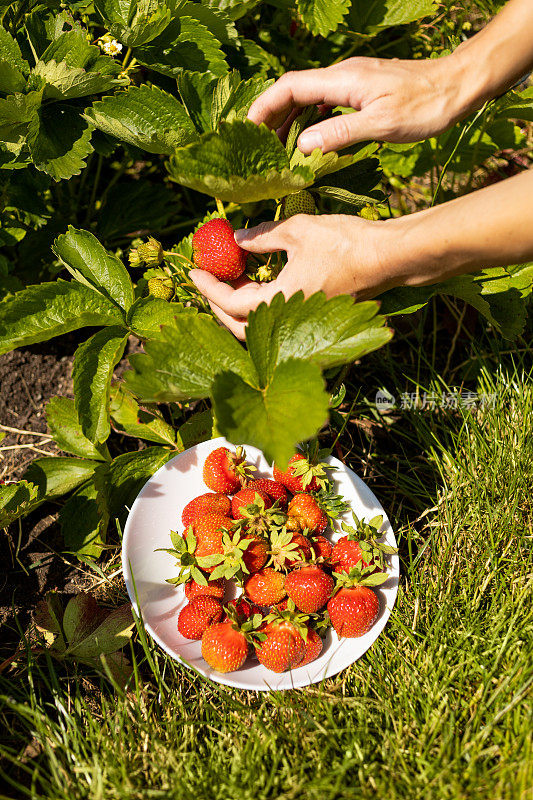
157, 510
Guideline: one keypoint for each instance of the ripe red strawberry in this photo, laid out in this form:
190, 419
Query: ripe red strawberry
282, 605
224, 647
215, 250
247, 497
346, 554
305, 513
313, 647
225, 471
213, 589
309, 588
301, 475
321, 547
208, 531
353, 610
243, 608
256, 554
283, 648
265, 587
205, 504
196, 616
273, 489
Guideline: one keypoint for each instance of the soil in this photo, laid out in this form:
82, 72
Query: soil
30, 548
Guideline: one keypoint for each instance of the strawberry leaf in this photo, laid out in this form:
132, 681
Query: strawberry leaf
92, 372
16, 500
58, 475
129, 418
322, 17
90, 263
41, 312
82, 522
365, 17
327, 332
59, 140
113, 633
61, 82
272, 417
144, 116
65, 427
240, 162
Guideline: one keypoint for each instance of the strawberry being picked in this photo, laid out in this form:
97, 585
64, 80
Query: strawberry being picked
216, 251
224, 471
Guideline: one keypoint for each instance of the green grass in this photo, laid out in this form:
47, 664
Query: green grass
438, 708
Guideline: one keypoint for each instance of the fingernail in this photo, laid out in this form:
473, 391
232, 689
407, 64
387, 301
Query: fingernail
241, 235
309, 141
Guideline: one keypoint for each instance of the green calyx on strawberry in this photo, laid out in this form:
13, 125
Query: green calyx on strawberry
359, 576
216, 251
287, 548
331, 503
225, 471
305, 472
184, 551
162, 288
259, 520
299, 203
230, 564
361, 545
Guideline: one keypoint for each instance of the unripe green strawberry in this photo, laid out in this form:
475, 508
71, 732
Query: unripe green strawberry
151, 252
299, 203
158, 288
369, 212
216, 251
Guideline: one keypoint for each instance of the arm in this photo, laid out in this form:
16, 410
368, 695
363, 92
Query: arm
401, 100
347, 255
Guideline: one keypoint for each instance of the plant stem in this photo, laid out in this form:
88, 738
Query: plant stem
220, 207
94, 189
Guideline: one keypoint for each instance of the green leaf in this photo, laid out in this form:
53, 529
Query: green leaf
92, 372
16, 499
61, 82
10, 51
144, 116
184, 44
148, 314
196, 429
128, 417
241, 162
516, 105
500, 294
65, 427
74, 50
82, 615
16, 113
219, 23
360, 178
197, 90
11, 78
39, 313
48, 620
129, 472
366, 15
59, 475
59, 140
322, 17
235, 9
183, 361
90, 263
82, 523
327, 332
130, 207
290, 409
134, 22
113, 633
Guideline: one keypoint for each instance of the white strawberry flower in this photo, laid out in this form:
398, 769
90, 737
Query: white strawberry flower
109, 45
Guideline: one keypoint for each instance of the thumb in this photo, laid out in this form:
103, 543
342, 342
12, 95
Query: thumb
265, 237
337, 133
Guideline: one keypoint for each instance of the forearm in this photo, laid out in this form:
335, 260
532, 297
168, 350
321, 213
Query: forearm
488, 228
493, 60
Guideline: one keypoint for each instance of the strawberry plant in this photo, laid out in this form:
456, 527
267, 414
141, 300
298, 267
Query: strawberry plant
142, 107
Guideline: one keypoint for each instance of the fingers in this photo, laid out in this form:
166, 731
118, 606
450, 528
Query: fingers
337, 133
233, 302
236, 326
267, 237
293, 89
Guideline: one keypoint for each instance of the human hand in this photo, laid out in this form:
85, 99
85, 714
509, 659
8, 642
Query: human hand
396, 101
334, 253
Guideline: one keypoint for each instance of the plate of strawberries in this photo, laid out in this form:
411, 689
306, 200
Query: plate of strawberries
256, 577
